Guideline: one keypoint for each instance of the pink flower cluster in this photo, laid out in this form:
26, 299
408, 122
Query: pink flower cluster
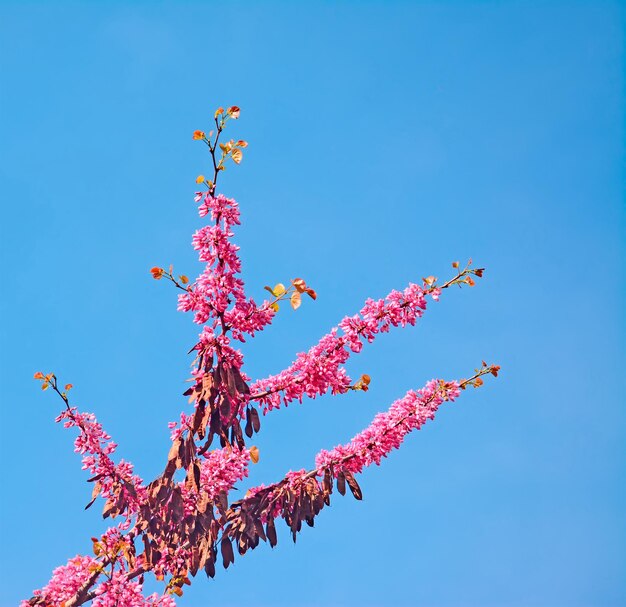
387, 430
96, 447
313, 372
320, 369
173, 561
220, 344
218, 286
66, 580
222, 468
119, 591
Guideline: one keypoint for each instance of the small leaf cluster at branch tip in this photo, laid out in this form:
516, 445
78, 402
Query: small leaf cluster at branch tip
232, 112
49, 380
465, 276
476, 380
293, 293
176, 583
180, 282
46, 380
363, 383
230, 149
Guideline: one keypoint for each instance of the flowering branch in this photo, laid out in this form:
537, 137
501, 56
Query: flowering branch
301, 495
173, 528
116, 483
320, 369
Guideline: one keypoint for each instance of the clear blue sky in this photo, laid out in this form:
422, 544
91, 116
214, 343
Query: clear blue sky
386, 140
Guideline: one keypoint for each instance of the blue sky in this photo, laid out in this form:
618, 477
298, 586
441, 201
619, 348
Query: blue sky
386, 141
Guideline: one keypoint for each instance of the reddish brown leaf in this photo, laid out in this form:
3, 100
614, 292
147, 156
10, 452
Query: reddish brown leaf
228, 556
341, 483
240, 384
354, 486
109, 509
270, 530
327, 483
209, 568
94, 494
248, 429
216, 424
225, 407
174, 449
256, 421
